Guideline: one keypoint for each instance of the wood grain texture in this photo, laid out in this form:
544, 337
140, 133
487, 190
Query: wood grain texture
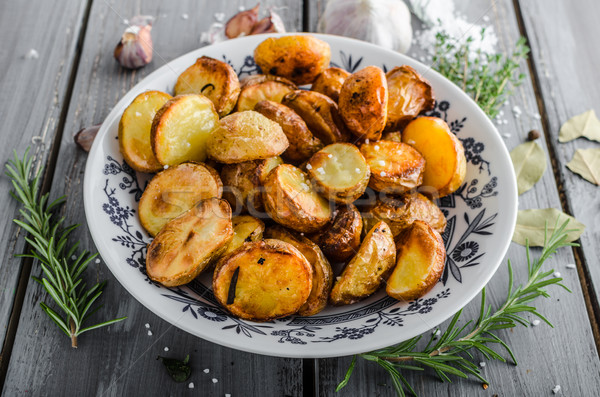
121, 359
540, 350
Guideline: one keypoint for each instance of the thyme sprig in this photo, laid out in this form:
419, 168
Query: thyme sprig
450, 354
62, 268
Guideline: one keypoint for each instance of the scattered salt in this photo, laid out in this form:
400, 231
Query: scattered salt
125, 21
516, 110
321, 171
308, 167
215, 380
166, 349
305, 187
498, 121
219, 16
330, 156
149, 333
485, 18
191, 385
166, 167
571, 266
376, 147
206, 370
367, 141
536, 116
97, 260
357, 170
138, 114
147, 325
482, 364
227, 395
381, 162
338, 278
556, 274
185, 16
535, 322
73, 257
556, 389
382, 173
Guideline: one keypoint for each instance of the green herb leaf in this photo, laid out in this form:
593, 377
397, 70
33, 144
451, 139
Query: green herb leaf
586, 162
529, 162
179, 370
584, 124
533, 225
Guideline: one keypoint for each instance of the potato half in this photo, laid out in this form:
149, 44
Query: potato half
421, 259
340, 172
330, 82
322, 273
174, 191
214, 79
300, 58
181, 128
340, 240
134, 131
261, 87
245, 136
395, 167
292, 202
409, 95
263, 280
189, 243
371, 265
246, 229
445, 162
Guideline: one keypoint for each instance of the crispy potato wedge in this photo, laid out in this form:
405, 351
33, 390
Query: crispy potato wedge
189, 243
320, 114
263, 280
322, 274
246, 136
214, 79
181, 128
300, 58
134, 131
409, 95
261, 87
363, 103
395, 167
420, 262
339, 172
445, 162
401, 211
174, 191
340, 240
371, 266
243, 183
302, 142
330, 82
291, 201
394, 136
246, 229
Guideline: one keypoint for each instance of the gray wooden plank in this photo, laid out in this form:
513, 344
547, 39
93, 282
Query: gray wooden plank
120, 360
540, 348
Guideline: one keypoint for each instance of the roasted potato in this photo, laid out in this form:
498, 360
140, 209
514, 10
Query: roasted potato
243, 183
181, 128
420, 262
395, 167
339, 172
214, 79
365, 272
246, 229
302, 142
291, 201
330, 82
245, 136
134, 131
320, 114
409, 95
263, 280
189, 243
401, 211
445, 162
341, 239
300, 58
261, 87
174, 191
363, 103
322, 273
394, 136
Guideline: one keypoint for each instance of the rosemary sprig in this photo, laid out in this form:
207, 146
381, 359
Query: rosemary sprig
449, 355
489, 79
63, 276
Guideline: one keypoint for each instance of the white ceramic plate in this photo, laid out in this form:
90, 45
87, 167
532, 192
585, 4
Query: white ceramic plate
481, 217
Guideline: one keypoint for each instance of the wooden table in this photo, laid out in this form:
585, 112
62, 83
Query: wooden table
75, 82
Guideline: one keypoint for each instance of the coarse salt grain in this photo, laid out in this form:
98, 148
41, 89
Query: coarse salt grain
571, 266
535, 322
191, 385
73, 257
357, 170
166, 167
556, 274
382, 173
308, 167
381, 162
206, 370
32, 54
97, 261
166, 349
149, 333
147, 325
367, 140
482, 364
376, 147
321, 171
138, 114
215, 380
330, 156
219, 16
556, 389
227, 395
185, 16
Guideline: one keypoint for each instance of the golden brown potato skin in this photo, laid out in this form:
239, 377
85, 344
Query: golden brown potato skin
261, 87
409, 95
371, 266
341, 239
363, 103
302, 142
189, 243
330, 82
274, 280
322, 273
246, 229
420, 262
300, 58
212, 78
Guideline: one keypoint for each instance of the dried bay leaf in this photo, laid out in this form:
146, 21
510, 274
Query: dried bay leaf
529, 162
584, 124
586, 162
531, 226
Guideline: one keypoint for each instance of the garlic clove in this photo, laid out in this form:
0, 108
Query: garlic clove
135, 48
270, 24
85, 137
241, 24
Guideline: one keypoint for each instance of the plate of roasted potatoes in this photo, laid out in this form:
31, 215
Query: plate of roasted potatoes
300, 195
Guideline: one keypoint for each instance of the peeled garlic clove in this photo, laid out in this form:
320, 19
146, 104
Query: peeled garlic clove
270, 24
241, 24
135, 48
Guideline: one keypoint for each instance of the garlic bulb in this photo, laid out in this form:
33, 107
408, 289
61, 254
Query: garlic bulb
383, 22
241, 24
135, 48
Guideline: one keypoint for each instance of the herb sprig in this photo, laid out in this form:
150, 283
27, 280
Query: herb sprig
62, 275
450, 354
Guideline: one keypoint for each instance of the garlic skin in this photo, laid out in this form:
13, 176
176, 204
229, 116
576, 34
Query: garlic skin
241, 24
383, 22
270, 24
135, 48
